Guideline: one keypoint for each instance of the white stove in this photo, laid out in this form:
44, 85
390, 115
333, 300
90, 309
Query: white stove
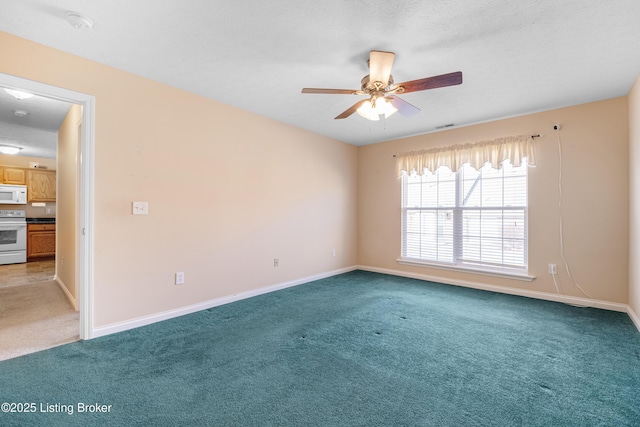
13, 237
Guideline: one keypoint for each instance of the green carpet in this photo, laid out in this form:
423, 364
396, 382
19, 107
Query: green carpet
358, 349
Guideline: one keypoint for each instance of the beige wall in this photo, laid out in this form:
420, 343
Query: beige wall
23, 161
634, 183
66, 199
228, 190
595, 199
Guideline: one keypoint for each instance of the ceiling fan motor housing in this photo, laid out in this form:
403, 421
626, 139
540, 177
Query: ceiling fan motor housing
371, 87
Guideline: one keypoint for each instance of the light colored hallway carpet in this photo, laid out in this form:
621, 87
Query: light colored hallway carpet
35, 317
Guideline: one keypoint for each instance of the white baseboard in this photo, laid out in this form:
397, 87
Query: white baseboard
634, 318
64, 288
147, 320
165, 315
583, 302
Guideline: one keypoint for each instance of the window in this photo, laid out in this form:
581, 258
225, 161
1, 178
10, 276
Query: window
469, 218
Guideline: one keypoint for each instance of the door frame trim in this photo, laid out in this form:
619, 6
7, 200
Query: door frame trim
85, 208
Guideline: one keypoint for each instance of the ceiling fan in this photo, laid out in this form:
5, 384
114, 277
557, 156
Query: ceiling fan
378, 85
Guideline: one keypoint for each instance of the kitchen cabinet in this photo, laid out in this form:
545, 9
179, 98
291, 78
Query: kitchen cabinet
13, 176
41, 185
41, 240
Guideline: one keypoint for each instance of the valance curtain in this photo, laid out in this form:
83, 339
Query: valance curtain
495, 151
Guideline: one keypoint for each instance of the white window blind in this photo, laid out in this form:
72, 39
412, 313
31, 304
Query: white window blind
472, 218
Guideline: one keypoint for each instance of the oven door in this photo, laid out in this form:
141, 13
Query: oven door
13, 236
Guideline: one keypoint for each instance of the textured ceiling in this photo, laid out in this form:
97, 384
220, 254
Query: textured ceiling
516, 57
37, 132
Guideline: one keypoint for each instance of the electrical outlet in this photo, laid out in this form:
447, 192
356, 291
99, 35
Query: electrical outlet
276, 262
180, 278
553, 269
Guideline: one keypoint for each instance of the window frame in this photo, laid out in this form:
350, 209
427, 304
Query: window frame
459, 264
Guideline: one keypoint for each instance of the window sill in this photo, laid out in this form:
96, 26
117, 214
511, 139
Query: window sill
517, 275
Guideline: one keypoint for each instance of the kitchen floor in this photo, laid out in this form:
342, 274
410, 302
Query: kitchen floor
30, 272
34, 312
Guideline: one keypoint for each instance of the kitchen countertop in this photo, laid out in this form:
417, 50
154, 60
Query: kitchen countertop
41, 220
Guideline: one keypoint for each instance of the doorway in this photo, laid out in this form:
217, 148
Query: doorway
83, 221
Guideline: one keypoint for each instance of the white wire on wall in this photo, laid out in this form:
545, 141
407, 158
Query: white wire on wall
564, 260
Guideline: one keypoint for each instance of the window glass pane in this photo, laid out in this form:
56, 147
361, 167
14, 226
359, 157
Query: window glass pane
515, 190
446, 180
471, 234
491, 251
412, 191
429, 242
430, 192
514, 253
491, 224
491, 192
514, 224
471, 186
412, 235
475, 217
445, 236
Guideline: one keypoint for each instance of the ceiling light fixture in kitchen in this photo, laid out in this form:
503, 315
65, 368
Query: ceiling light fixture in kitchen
9, 149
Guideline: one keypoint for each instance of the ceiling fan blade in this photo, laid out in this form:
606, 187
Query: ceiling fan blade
351, 109
329, 91
380, 64
434, 82
403, 106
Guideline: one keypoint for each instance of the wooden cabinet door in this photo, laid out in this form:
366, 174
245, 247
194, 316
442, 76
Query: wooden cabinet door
41, 186
41, 240
14, 176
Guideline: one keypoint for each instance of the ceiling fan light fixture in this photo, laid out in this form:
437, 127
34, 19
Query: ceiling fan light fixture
367, 111
18, 94
387, 108
9, 149
382, 106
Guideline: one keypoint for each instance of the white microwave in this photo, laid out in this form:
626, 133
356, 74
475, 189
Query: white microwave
13, 194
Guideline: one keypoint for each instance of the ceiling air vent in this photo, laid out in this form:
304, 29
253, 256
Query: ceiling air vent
445, 126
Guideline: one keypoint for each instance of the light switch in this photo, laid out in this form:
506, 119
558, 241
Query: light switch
140, 208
